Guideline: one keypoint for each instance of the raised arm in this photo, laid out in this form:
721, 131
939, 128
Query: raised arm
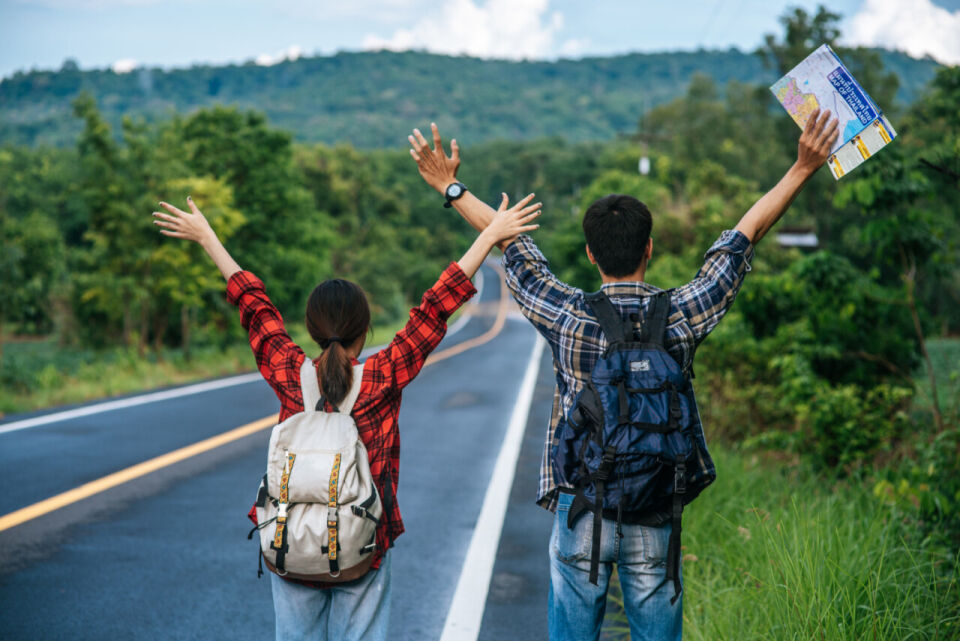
814, 147
272, 346
538, 292
440, 170
503, 227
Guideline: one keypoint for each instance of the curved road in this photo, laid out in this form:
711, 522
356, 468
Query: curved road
165, 555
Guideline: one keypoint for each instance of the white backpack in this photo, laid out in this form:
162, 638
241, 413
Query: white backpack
318, 508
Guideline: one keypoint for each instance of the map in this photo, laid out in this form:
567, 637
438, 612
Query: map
822, 81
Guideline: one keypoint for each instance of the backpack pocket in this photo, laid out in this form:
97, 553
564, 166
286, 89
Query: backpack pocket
312, 474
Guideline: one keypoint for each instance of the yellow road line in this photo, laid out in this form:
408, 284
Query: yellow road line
140, 469
104, 483
487, 336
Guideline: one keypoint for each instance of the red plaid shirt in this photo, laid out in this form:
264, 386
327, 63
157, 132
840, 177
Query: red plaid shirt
385, 374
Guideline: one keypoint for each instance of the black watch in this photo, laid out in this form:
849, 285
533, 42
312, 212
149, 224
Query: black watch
454, 190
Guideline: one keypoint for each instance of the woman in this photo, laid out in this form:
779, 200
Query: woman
338, 319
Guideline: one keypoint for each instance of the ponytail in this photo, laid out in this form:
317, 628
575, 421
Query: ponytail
337, 316
335, 372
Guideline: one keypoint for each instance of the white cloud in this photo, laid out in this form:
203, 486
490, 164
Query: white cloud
917, 27
514, 29
574, 47
269, 59
124, 65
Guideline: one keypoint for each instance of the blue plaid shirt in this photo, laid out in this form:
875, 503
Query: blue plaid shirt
561, 315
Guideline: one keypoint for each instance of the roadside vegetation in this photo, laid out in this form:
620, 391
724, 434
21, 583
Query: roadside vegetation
774, 552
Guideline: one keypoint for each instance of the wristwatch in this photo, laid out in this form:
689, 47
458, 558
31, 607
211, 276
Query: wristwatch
454, 190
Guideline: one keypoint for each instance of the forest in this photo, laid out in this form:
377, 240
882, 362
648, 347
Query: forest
370, 98
840, 362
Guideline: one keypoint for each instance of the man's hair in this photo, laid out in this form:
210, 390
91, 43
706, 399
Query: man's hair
617, 229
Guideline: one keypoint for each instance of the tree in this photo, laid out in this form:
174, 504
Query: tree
804, 32
181, 277
114, 235
285, 238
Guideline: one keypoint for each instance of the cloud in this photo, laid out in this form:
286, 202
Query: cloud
269, 59
514, 29
917, 27
124, 65
574, 47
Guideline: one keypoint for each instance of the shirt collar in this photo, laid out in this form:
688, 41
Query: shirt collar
630, 288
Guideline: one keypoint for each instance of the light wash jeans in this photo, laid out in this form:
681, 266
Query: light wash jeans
577, 606
355, 611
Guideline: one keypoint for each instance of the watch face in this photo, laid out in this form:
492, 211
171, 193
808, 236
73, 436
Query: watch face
454, 190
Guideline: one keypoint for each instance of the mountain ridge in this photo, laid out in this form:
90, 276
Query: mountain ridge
371, 99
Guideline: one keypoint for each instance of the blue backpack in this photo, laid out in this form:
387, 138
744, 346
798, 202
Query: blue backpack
633, 444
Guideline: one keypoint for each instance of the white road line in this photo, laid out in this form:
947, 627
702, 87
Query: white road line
129, 402
470, 598
188, 390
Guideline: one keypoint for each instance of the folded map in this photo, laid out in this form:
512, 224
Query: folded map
821, 80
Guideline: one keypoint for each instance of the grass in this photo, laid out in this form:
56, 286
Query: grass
773, 554
37, 374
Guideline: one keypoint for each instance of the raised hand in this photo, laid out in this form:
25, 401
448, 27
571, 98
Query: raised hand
507, 224
436, 168
180, 224
194, 226
816, 141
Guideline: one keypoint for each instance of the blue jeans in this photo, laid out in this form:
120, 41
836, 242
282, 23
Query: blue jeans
355, 611
577, 606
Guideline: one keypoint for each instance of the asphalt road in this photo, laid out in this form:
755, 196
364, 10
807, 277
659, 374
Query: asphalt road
165, 556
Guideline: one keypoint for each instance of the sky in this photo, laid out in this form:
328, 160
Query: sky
124, 34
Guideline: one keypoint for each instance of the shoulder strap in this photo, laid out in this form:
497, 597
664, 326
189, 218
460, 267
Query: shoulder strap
309, 385
655, 325
613, 325
346, 406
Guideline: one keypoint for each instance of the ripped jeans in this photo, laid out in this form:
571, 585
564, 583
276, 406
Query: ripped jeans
577, 606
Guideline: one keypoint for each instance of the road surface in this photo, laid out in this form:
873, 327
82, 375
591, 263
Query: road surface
164, 555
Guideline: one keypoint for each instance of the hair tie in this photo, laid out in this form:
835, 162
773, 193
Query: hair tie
334, 339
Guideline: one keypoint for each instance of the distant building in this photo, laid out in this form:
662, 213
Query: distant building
803, 237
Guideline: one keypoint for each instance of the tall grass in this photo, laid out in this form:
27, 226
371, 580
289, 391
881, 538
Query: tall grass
771, 554
36, 374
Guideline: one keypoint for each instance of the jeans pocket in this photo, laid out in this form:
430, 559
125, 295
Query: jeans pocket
571, 545
644, 544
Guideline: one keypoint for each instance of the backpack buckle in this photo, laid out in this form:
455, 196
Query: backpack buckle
609, 454
680, 479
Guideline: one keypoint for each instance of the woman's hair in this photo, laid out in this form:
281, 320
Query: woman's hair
337, 315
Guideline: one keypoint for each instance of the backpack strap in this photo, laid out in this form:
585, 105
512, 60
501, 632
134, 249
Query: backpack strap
309, 386
614, 326
655, 326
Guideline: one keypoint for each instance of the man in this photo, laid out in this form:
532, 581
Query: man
617, 233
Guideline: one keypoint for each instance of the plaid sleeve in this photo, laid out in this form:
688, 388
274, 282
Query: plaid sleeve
540, 295
403, 358
706, 298
278, 357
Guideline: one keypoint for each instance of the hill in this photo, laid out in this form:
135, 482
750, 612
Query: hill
372, 99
